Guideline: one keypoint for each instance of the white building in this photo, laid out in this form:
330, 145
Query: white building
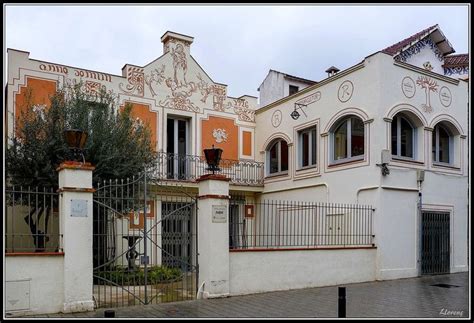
389, 133
277, 85
406, 107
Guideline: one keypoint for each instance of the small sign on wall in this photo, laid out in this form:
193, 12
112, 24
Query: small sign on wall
219, 214
249, 211
79, 208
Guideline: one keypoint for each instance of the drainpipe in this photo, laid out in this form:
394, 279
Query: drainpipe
420, 177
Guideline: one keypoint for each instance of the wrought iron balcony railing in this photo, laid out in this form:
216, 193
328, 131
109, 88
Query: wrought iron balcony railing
170, 166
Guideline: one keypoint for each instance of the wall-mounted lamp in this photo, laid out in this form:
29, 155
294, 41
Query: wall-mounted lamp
385, 161
295, 114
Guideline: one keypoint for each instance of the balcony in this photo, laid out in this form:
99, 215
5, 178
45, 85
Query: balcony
179, 167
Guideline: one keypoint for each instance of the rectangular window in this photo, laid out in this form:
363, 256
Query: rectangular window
340, 142
307, 147
293, 89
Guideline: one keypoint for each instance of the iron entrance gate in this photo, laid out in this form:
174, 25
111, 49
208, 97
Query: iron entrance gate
133, 263
435, 243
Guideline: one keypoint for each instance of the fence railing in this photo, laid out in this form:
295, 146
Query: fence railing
170, 166
291, 224
31, 220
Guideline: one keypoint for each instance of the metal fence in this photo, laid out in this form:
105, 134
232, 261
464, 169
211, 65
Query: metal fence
292, 224
144, 243
32, 220
189, 167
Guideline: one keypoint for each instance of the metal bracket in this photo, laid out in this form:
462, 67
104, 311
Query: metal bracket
385, 170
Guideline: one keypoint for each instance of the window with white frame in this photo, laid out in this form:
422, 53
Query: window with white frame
307, 147
403, 137
442, 145
347, 139
277, 157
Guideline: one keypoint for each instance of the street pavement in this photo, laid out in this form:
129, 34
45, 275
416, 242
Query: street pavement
402, 298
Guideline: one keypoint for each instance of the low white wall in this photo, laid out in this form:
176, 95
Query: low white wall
263, 271
34, 284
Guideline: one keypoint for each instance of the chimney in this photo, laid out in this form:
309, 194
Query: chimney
172, 40
332, 71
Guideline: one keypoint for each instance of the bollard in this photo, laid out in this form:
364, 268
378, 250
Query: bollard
341, 308
109, 313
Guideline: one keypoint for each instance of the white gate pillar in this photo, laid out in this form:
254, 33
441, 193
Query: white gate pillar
213, 235
75, 187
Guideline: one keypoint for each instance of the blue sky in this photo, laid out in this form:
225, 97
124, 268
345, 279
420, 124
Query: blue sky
236, 45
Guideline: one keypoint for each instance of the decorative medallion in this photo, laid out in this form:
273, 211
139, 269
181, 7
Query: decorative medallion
427, 66
345, 91
138, 124
276, 118
408, 87
39, 109
219, 135
429, 85
445, 96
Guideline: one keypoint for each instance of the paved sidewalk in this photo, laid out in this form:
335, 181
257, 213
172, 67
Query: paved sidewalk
413, 297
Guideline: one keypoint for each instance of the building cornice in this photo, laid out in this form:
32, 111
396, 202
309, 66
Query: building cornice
426, 72
311, 88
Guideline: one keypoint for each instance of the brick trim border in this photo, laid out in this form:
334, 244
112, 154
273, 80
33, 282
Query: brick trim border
75, 165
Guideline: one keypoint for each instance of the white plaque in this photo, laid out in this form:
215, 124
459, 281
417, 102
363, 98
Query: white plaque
219, 214
79, 208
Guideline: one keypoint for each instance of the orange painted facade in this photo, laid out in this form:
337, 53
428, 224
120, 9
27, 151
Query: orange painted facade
143, 112
246, 143
229, 143
35, 91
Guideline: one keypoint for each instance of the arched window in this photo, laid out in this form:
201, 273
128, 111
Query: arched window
348, 139
277, 157
442, 145
403, 137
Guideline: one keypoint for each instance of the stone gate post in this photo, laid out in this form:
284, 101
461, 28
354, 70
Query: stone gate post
213, 235
75, 187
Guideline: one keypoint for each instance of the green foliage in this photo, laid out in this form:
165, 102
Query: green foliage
117, 146
156, 275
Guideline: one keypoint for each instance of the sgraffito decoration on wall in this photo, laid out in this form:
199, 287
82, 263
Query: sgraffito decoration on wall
408, 87
241, 108
445, 96
427, 65
220, 135
93, 88
40, 109
310, 99
276, 118
180, 64
218, 92
155, 78
429, 85
416, 48
136, 81
181, 90
456, 70
345, 91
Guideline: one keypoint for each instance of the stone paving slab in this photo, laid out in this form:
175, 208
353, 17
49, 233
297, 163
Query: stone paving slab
402, 298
